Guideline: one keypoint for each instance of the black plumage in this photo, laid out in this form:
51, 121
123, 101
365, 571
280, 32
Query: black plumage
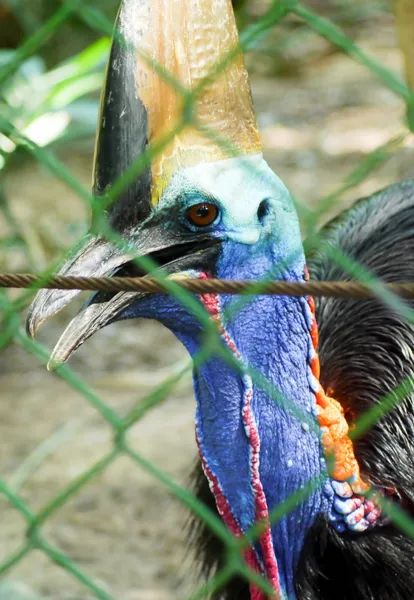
366, 350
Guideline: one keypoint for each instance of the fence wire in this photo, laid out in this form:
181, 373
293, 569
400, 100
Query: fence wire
15, 131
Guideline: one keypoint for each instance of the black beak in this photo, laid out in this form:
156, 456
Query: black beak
98, 257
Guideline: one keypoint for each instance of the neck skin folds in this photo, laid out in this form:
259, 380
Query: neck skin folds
260, 442
263, 423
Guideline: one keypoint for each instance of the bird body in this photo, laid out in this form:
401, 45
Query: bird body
272, 406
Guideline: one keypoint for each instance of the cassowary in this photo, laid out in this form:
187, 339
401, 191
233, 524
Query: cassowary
209, 206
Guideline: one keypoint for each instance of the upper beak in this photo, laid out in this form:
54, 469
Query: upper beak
99, 257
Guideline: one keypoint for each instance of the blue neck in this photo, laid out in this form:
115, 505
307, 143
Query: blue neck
271, 335
257, 450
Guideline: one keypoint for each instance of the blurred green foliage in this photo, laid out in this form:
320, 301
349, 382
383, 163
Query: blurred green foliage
52, 106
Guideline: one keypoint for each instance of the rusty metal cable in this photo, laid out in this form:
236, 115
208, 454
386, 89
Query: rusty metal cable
348, 289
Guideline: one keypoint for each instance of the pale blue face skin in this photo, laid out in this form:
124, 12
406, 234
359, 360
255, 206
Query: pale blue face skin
253, 202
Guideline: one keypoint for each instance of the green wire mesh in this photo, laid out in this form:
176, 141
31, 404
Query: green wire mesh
120, 424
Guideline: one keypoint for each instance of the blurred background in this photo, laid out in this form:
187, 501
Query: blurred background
322, 115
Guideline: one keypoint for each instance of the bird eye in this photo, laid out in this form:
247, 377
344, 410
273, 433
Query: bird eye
202, 214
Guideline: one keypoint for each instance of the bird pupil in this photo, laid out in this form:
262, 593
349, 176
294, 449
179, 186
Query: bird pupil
203, 211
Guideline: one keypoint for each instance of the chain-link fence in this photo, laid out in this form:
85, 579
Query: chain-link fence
62, 86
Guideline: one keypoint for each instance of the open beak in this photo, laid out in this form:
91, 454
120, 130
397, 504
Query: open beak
139, 106
96, 257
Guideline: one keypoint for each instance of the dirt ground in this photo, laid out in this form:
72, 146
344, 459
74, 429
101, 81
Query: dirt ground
124, 529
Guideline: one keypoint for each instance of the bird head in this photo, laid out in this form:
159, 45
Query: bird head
204, 185
203, 203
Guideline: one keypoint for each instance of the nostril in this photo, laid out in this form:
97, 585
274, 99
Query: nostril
263, 210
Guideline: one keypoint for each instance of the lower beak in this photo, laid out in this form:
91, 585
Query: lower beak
98, 257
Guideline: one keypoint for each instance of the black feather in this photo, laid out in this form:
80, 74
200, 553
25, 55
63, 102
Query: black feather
366, 350
377, 565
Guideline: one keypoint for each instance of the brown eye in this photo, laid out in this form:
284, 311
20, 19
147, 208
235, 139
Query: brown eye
202, 214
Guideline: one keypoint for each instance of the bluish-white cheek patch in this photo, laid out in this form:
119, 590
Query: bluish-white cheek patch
246, 236
238, 186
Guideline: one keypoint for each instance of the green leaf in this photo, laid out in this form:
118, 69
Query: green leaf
93, 58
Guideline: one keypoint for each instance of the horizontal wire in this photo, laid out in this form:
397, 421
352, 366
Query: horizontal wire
337, 289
